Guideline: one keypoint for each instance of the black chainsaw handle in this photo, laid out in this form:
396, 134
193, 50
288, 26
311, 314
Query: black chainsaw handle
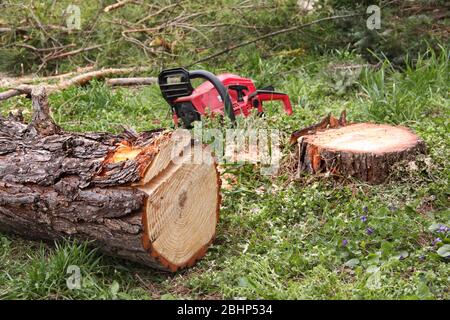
223, 92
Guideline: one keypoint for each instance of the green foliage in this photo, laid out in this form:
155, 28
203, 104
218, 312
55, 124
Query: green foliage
193, 32
142, 109
411, 95
39, 272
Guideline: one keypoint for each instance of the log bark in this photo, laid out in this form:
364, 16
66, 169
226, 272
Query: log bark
125, 193
365, 151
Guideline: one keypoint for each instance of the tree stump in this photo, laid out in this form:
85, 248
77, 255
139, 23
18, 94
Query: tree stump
125, 193
365, 151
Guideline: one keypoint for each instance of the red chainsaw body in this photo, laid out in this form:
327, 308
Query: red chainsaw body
206, 99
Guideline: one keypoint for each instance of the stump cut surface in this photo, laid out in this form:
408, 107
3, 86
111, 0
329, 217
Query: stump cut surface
366, 138
365, 151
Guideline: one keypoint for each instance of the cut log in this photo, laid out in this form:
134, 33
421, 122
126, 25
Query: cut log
365, 151
125, 193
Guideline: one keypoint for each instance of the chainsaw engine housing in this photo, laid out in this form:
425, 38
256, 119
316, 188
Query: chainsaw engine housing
226, 93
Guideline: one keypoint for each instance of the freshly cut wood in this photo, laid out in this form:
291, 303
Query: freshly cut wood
364, 151
126, 193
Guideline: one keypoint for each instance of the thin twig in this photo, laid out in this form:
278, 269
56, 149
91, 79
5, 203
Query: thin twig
72, 53
145, 48
156, 13
38, 22
189, 27
24, 45
31, 28
117, 5
219, 25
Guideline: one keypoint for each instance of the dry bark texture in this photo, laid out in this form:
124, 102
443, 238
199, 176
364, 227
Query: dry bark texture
55, 184
365, 151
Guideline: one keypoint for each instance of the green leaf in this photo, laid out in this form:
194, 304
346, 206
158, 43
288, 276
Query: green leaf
374, 281
373, 259
400, 255
434, 227
386, 249
423, 291
372, 269
444, 251
243, 282
114, 288
168, 296
352, 263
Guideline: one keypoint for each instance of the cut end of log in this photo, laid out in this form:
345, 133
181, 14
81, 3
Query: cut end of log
182, 203
182, 207
365, 151
181, 213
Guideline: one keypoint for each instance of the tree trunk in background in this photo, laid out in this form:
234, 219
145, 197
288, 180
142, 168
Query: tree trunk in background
125, 193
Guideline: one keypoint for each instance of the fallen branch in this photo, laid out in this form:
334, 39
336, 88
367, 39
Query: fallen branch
24, 29
117, 5
40, 50
272, 34
131, 81
72, 53
156, 13
22, 89
78, 80
11, 82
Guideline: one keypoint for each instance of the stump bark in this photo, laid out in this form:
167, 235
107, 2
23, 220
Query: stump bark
365, 151
125, 193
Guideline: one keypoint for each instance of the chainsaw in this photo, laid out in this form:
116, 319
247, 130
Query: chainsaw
225, 94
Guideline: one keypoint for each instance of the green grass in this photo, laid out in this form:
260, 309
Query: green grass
397, 100
276, 238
